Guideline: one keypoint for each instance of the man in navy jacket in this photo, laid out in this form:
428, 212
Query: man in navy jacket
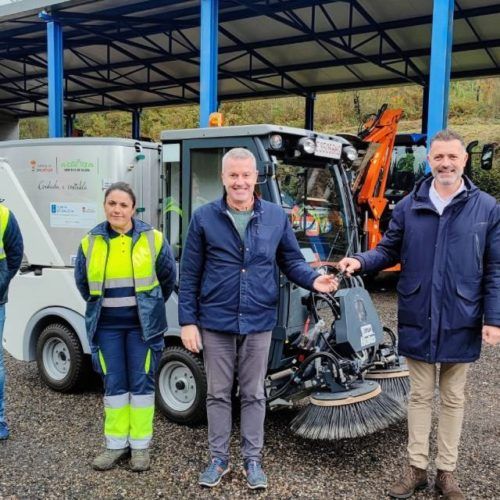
227, 304
11, 256
446, 234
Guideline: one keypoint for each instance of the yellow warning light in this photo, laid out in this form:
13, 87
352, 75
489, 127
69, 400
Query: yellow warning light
215, 119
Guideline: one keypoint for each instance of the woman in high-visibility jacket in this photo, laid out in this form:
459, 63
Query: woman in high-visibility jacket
125, 271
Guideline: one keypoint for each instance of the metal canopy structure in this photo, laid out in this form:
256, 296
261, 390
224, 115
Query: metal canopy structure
126, 55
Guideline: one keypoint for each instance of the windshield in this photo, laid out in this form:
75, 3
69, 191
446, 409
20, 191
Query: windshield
311, 198
407, 167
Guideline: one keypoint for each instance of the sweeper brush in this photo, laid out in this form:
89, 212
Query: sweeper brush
355, 413
395, 382
341, 342
390, 370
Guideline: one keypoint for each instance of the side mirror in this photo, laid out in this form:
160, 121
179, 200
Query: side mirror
468, 166
487, 156
471, 146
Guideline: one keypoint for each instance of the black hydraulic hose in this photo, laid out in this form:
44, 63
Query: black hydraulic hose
392, 335
305, 363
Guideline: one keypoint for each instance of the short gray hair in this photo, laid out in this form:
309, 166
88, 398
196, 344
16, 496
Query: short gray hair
239, 154
447, 135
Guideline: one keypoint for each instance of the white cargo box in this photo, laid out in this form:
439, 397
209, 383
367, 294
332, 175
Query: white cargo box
55, 188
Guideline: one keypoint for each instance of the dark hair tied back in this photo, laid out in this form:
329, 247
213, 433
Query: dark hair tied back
121, 186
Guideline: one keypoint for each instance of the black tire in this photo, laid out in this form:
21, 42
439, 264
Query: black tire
181, 386
60, 358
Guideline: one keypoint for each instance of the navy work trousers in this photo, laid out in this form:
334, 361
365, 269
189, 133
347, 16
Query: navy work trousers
127, 364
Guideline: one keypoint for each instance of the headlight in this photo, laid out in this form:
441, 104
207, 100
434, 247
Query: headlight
351, 153
276, 141
308, 145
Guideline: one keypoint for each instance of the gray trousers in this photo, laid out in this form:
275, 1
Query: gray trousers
224, 354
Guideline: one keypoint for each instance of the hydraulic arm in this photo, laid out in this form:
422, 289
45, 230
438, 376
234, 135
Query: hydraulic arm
370, 186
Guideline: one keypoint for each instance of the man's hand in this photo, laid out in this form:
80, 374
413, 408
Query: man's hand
491, 334
349, 265
191, 338
326, 283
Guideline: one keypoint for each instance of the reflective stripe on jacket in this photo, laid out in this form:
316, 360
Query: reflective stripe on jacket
144, 253
154, 276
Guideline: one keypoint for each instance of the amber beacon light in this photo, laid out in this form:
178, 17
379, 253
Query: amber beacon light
215, 119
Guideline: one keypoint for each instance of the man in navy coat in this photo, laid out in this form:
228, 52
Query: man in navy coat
227, 302
446, 235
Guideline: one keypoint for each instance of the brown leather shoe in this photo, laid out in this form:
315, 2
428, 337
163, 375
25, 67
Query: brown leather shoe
447, 485
412, 479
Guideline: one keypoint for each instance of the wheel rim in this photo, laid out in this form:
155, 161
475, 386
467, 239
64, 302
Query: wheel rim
177, 386
56, 358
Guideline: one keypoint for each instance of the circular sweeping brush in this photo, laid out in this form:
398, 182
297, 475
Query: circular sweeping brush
362, 410
395, 382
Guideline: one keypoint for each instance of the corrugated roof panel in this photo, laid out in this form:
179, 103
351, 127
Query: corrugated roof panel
147, 52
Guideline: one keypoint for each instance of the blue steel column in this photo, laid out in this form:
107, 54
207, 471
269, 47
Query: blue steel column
208, 59
439, 80
309, 119
136, 124
55, 63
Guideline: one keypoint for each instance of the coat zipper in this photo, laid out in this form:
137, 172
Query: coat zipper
478, 253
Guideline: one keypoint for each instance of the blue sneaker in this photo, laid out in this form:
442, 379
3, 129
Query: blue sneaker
256, 479
4, 430
213, 474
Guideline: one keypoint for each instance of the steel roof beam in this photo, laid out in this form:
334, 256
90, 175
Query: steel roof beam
8, 35
347, 61
319, 36
138, 61
388, 39
263, 94
251, 94
253, 54
474, 31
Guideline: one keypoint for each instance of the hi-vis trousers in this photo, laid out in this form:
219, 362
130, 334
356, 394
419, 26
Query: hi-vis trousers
127, 364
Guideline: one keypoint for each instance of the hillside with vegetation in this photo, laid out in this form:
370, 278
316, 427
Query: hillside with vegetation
474, 112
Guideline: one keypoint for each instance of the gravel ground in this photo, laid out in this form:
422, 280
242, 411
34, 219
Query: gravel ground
55, 436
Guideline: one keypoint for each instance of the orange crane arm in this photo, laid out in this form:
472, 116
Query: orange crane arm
382, 130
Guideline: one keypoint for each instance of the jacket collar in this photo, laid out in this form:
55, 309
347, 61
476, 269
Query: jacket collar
103, 229
420, 194
223, 206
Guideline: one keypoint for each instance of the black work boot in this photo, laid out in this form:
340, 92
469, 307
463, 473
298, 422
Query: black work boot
447, 485
412, 479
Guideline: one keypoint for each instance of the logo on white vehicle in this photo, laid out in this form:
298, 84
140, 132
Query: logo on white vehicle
77, 166
41, 168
